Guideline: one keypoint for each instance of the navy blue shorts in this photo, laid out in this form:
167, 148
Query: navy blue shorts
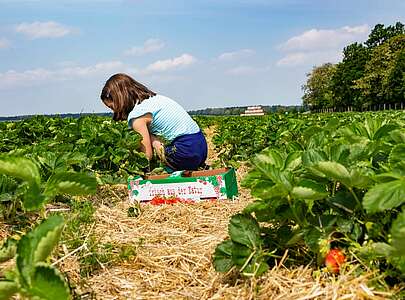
187, 152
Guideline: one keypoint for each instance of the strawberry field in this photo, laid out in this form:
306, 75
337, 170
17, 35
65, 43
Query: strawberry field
319, 188
322, 183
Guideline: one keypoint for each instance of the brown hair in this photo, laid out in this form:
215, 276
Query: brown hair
121, 93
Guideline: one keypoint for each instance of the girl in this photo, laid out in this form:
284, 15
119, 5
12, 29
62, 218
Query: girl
163, 124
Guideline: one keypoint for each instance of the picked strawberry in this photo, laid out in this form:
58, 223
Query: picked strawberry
334, 260
159, 200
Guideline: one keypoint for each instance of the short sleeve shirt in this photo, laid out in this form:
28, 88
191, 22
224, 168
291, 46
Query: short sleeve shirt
169, 119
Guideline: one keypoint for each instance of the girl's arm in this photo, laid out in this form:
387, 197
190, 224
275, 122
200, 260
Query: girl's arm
141, 126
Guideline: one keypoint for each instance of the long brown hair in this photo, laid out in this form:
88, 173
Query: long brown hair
121, 93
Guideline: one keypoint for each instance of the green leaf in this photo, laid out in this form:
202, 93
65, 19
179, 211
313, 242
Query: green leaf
8, 289
307, 194
308, 189
37, 245
263, 210
399, 263
382, 249
296, 237
344, 225
387, 177
398, 234
385, 196
293, 160
8, 250
271, 157
312, 157
265, 190
268, 171
48, 284
384, 131
397, 154
374, 251
245, 230
361, 178
339, 152
33, 198
312, 236
20, 167
241, 255
333, 170
398, 136
223, 257
255, 267
70, 183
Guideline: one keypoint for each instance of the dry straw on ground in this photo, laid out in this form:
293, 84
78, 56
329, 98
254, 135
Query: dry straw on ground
173, 258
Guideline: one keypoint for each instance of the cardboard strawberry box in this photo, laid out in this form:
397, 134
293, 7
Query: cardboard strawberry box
188, 185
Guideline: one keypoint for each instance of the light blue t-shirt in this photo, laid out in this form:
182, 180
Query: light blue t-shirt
169, 119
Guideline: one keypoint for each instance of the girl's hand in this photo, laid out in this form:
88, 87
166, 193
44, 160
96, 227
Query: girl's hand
159, 148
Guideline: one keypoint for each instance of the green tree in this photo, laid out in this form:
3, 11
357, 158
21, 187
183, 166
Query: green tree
396, 79
355, 57
383, 81
317, 90
380, 34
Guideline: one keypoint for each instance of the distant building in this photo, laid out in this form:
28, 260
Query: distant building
254, 111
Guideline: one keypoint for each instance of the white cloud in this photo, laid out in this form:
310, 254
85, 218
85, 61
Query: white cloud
227, 56
71, 71
317, 46
37, 30
97, 69
149, 46
182, 61
309, 58
316, 39
4, 43
12, 78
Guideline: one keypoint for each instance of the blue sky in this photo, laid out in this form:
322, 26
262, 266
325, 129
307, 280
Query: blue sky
56, 55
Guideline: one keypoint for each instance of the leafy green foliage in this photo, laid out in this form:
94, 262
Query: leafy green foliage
33, 277
88, 144
8, 250
32, 192
317, 89
321, 183
243, 249
7, 289
384, 196
37, 245
48, 284
370, 76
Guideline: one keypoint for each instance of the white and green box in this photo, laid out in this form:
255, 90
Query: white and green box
190, 185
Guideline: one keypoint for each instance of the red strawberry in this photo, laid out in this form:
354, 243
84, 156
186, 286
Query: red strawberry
334, 260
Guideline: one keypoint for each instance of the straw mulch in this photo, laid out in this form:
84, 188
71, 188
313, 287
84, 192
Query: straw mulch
174, 246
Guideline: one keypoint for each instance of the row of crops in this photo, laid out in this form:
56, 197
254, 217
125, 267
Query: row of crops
47, 160
322, 182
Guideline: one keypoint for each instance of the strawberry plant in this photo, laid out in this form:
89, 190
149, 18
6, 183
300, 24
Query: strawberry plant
32, 276
88, 144
30, 190
327, 184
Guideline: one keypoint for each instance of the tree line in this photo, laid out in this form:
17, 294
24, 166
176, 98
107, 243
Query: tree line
237, 110
370, 76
